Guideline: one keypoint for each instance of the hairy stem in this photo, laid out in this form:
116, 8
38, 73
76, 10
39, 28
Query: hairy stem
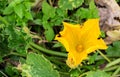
57, 53
104, 56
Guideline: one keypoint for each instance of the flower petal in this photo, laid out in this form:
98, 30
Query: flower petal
74, 59
91, 28
68, 35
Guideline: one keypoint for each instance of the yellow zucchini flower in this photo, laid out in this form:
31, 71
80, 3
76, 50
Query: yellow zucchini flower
80, 40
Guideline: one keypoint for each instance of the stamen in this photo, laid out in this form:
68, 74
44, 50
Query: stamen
79, 48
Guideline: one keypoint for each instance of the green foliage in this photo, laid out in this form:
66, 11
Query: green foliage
18, 40
102, 34
86, 13
92, 58
19, 10
70, 4
118, 0
11, 71
48, 11
38, 66
97, 73
74, 73
114, 50
3, 4
4, 49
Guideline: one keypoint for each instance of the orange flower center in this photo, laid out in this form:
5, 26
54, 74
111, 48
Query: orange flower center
79, 48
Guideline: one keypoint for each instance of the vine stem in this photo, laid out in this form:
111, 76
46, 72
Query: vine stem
57, 53
103, 56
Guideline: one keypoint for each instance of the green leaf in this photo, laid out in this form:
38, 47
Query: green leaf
92, 5
92, 58
48, 11
18, 40
3, 4
74, 73
58, 44
38, 21
93, 10
70, 4
114, 49
18, 9
49, 33
102, 34
27, 10
8, 10
55, 20
87, 13
28, 15
28, 5
82, 13
3, 45
38, 66
60, 12
97, 73
9, 70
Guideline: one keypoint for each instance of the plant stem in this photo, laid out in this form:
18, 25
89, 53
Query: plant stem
111, 68
50, 2
115, 62
35, 50
116, 72
3, 74
104, 56
17, 54
100, 57
14, 53
57, 53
